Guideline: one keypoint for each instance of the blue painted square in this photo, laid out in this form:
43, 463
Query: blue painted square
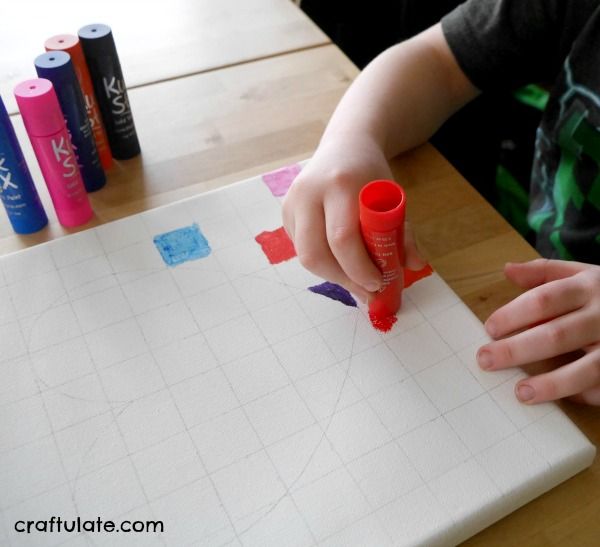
181, 245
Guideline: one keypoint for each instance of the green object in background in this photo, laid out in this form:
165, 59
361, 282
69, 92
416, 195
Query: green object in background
577, 137
512, 195
533, 95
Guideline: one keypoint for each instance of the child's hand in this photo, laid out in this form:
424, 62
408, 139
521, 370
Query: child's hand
563, 304
320, 214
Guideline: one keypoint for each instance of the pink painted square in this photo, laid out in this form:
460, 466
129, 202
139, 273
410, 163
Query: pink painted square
280, 180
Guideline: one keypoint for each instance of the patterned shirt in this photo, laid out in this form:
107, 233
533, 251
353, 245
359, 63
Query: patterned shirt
504, 44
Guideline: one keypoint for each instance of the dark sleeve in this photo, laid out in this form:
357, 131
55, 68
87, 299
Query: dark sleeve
502, 44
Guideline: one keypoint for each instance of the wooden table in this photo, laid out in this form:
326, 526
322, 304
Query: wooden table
224, 90
156, 40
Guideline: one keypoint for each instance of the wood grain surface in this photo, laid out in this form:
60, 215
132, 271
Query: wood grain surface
202, 131
223, 90
468, 243
156, 39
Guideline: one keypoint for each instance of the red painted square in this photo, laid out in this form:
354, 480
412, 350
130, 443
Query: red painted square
276, 245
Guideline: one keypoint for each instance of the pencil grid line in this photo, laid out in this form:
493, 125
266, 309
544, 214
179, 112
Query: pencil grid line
152, 350
202, 372
147, 271
167, 493
220, 364
313, 373
117, 322
115, 416
330, 418
47, 415
181, 417
96, 230
268, 445
346, 377
274, 505
241, 406
72, 483
288, 489
441, 414
214, 486
292, 383
499, 408
54, 303
395, 438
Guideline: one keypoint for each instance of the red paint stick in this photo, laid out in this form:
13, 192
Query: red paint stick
70, 44
382, 205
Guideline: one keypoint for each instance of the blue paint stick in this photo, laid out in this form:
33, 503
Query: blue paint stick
182, 245
17, 191
57, 67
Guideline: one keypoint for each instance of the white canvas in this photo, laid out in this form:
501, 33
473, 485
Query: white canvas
221, 396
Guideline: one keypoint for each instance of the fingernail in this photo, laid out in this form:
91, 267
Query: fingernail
372, 286
485, 359
525, 392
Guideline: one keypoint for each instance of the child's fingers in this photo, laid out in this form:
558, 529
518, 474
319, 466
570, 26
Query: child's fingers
538, 304
288, 224
314, 253
345, 241
580, 376
536, 272
589, 396
561, 335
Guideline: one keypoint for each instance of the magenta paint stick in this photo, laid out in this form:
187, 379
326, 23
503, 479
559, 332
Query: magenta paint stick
48, 134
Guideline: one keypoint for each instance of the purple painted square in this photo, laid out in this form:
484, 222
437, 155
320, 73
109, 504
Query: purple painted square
280, 180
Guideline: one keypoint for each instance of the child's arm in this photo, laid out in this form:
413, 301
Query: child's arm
396, 103
565, 298
404, 95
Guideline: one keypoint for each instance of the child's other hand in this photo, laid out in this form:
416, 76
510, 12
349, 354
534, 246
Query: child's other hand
320, 214
563, 305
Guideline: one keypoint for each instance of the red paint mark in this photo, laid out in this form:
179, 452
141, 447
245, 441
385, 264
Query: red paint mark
412, 276
276, 245
279, 181
382, 323
381, 318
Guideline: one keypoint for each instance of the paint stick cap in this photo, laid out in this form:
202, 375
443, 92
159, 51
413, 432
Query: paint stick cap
39, 107
97, 40
57, 67
61, 42
68, 43
382, 205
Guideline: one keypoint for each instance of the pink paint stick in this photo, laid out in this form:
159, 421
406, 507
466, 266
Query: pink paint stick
48, 134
